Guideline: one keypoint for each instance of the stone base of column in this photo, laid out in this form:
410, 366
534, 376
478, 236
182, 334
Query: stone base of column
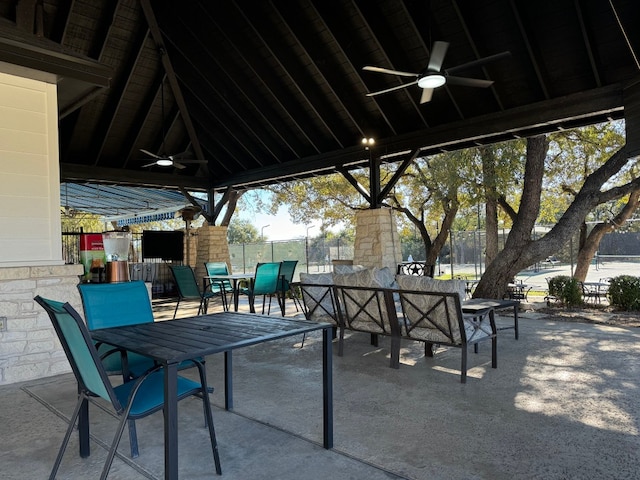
377, 240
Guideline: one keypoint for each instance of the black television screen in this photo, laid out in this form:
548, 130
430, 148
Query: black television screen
164, 245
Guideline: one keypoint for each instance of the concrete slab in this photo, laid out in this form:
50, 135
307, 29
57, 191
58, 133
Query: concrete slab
561, 404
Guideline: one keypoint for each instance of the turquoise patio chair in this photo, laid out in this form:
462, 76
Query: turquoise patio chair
188, 288
130, 400
219, 287
265, 282
108, 305
287, 270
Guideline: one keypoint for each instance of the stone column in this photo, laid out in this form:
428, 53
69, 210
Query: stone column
212, 247
377, 239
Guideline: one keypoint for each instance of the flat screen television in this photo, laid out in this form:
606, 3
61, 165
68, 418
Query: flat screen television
164, 245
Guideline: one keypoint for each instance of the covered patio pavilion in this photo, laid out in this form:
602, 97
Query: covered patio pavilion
562, 404
275, 92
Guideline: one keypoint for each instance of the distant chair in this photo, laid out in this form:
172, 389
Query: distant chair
287, 270
130, 400
219, 287
188, 288
265, 282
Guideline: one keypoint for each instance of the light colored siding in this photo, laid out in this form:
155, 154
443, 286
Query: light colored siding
29, 173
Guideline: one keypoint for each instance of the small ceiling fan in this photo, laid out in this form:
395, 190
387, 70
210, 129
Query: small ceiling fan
163, 160
433, 76
178, 160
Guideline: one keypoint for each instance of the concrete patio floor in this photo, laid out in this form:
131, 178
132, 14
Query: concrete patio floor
563, 403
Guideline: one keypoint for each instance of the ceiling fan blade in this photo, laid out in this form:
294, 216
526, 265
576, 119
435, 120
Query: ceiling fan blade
390, 72
189, 160
404, 85
149, 165
479, 62
468, 82
153, 155
436, 58
427, 93
179, 165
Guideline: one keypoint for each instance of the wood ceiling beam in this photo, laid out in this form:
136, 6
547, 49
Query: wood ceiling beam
171, 76
279, 128
317, 105
587, 43
538, 118
141, 178
476, 53
532, 57
313, 141
116, 93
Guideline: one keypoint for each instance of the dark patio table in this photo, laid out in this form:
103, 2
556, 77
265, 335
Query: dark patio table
173, 341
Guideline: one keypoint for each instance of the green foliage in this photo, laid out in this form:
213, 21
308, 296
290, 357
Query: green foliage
566, 289
242, 231
624, 292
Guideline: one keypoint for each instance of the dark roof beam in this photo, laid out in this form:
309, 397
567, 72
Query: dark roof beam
575, 110
290, 107
264, 84
324, 15
207, 105
116, 94
240, 93
476, 53
319, 73
527, 43
144, 110
171, 75
139, 178
220, 98
587, 43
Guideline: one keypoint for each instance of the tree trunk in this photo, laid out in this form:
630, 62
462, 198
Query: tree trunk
592, 242
518, 253
491, 207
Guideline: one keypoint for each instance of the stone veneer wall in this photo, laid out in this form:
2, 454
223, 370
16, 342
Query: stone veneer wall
213, 246
29, 347
377, 239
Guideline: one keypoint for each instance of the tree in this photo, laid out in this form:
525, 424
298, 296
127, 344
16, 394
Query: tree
520, 250
242, 231
578, 153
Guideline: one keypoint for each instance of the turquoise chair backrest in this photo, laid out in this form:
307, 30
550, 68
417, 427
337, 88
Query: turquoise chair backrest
78, 347
185, 281
266, 278
218, 268
115, 304
287, 269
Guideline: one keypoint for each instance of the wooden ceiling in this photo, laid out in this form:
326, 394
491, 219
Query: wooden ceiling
274, 91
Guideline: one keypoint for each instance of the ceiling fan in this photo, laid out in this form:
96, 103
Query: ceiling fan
178, 160
163, 160
433, 76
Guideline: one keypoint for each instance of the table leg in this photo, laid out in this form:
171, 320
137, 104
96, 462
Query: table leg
171, 421
228, 380
327, 389
235, 295
515, 320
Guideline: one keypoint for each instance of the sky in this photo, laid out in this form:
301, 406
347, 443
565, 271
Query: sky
279, 226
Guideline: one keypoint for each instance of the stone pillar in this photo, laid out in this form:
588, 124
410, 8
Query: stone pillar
212, 247
377, 239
